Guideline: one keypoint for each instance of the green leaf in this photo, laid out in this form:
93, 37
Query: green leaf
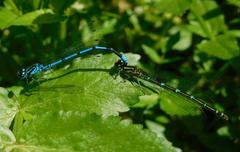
156, 127
75, 131
8, 108
48, 18
147, 100
224, 131
85, 86
234, 2
6, 17
6, 138
224, 47
152, 54
135, 22
177, 7
29, 18
10, 5
185, 40
233, 33
9, 18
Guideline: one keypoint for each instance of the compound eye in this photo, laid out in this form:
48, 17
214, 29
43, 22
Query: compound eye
22, 73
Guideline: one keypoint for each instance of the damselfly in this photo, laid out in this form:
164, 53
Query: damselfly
37, 68
132, 72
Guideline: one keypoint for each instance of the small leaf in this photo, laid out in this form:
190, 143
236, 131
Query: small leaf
155, 127
8, 18
224, 131
133, 58
135, 22
151, 53
224, 47
147, 100
185, 40
177, 7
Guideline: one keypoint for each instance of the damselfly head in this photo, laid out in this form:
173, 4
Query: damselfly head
120, 64
22, 74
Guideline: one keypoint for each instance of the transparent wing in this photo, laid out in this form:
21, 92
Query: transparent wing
173, 103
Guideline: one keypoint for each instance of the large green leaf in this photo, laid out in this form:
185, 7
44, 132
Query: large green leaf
72, 132
85, 85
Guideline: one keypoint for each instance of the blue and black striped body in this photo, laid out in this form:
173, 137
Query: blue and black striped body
38, 68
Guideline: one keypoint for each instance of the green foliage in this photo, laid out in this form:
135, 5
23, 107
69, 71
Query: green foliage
191, 44
222, 46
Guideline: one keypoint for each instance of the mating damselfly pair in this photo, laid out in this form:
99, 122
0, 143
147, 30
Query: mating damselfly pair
126, 71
